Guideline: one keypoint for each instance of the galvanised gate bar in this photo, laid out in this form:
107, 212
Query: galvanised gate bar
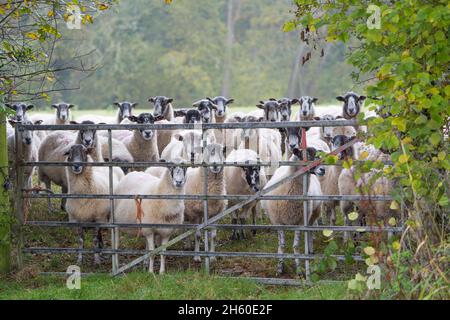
22, 194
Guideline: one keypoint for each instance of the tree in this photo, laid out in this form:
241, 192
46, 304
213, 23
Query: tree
403, 63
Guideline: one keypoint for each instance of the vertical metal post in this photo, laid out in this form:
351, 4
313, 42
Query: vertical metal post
205, 202
114, 231
306, 205
19, 201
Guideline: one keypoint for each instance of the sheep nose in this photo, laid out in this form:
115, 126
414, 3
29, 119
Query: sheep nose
28, 141
305, 113
292, 146
87, 142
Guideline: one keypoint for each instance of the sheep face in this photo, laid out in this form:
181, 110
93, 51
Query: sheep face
249, 133
161, 104
311, 155
271, 110
77, 153
251, 175
20, 109
213, 154
192, 144
63, 110
206, 109
294, 138
339, 141
326, 132
125, 109
221, 103
193, 116
307, 106
286, 108
87, 137
27, 135
145, 118
352, 104
178, 175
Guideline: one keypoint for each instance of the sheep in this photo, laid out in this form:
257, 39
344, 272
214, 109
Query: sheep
221, 112
370, 184
232, 137
271, 110
91, 139
207, 110
307, 110
327, 133
266, 142
187, 116
163, 110
352, 104
246, 180
20, 110
216, 186
290, 212
186, 145
142, 144
160, 211
29, 150
125, 110
87, 180
285, 105
330, 180
62, 115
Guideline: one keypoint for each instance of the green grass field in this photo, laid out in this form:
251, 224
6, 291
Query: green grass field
139, 286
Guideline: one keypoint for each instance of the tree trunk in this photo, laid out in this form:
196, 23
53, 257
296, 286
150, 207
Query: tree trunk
229, 41
293, 80
5, 213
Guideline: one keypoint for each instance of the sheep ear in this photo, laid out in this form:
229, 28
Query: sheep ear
134, 105
314, 100
151, 99
55, 106
196, 104
178, 137
260, 106
12, 122
239, 119
230, 101
294, 101
170, 100
158, 118
261, 119
340, 98
67, 153
213, 106
362, 98
133, 118
71, 106
273, 99
180, 113
162, 160
117, 104
38, 122
317, 118
30, 106
73, 122
340, 117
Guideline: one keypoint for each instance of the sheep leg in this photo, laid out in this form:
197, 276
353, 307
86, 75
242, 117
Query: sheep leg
213, 244
48, 186
64, 190
198, 237
254, 220
242, 231
296, 251
98, 242
162, 267
234, 234
81, 246
151, 247
281, 245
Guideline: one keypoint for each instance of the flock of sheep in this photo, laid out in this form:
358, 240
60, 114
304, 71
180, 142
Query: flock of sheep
179, 146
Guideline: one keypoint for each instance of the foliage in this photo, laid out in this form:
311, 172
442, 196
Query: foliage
404, 65
30, 30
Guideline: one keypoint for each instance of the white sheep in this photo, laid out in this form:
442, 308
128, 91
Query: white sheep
29, 149
216, 186
142, 144
245, 180
87, 180
155, 211
62, 115
220, 115
186, 145
307, 110
163, 110
290, 212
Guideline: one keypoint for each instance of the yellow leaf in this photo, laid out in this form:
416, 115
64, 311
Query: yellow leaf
32, 35
394, 205
392, 221
50, 14
369, 251
352, 216
327, 233
396, 245
369, 262
363, 155
102, 6
403, 158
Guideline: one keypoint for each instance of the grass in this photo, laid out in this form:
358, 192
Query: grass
140, 286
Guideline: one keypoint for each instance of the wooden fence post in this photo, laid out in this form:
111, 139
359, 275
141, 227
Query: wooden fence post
5, 212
